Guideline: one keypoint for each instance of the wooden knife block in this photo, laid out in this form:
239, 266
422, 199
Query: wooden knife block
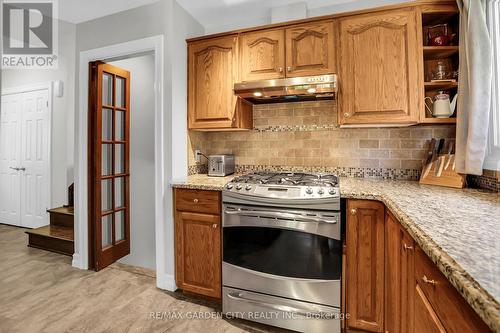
448, 177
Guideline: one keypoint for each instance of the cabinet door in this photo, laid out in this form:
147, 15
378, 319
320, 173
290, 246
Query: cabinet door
426, 320
379, 81
398, 277
452, 309
198, 253
310, 49
262, 55
212, 73
365, 265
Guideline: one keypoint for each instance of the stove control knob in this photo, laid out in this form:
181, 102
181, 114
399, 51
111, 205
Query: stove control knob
229, 186
248, 187
309, 190
238, 187
320, 191
331, 191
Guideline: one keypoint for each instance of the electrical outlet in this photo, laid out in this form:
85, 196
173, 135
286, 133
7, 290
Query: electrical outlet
197, 155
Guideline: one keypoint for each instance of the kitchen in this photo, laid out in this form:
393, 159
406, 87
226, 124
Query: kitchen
330, 153
251, 166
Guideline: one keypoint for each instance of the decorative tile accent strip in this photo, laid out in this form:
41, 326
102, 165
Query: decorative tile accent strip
484, 182
296, 128
377, 173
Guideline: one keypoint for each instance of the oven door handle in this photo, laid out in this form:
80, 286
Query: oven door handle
278, 307
279, 215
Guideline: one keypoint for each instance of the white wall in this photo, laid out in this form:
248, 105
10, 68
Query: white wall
245, 15
170, 20
63, 113
142, 200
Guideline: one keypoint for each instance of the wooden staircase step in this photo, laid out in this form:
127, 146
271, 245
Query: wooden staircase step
62, 216
54, 238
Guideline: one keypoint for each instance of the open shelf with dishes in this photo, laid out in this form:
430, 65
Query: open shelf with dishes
440, 55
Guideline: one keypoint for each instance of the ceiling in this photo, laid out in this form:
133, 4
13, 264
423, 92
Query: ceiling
77, 11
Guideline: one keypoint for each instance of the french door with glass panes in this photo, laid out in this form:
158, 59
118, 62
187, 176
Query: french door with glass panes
109, 177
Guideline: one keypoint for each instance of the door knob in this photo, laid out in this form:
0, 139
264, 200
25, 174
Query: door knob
347, 115
214, 226
354, 211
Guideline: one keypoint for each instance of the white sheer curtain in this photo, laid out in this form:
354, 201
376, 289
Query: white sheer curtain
474, 89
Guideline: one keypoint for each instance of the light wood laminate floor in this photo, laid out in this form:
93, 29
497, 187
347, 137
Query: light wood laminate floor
41, 292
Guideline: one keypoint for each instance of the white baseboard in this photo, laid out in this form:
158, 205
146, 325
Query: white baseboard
166, 283
77, 261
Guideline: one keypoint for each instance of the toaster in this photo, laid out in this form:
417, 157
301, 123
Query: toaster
220, 165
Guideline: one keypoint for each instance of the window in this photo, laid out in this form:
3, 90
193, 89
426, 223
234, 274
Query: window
492, 161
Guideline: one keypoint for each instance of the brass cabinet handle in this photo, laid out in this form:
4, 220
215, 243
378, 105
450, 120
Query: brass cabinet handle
214, 226
195, 200
354, 211
289, 68
406, 247
280, 69
429, 281
347, 115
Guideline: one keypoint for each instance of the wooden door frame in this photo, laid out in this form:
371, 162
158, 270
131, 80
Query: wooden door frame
155, 44
49, 86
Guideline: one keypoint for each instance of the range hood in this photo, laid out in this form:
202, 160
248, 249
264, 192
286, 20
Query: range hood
295, 89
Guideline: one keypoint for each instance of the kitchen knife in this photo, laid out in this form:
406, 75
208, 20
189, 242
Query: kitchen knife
442, 159
450, 150
436, 155
430, 155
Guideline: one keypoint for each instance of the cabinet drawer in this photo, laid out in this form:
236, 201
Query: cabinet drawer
452, 309
198, 201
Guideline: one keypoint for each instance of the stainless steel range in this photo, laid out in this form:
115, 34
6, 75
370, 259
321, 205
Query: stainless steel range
282, 250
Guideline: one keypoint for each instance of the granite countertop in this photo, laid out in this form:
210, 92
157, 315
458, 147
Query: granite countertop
458, 229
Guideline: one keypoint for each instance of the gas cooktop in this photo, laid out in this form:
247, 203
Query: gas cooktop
286, 185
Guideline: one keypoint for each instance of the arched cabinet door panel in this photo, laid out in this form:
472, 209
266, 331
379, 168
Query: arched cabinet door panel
212, 72
378, 59
310, 49
262, 55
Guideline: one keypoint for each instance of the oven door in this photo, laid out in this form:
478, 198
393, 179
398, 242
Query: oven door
295, 254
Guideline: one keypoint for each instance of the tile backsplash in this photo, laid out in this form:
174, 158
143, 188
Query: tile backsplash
305, 135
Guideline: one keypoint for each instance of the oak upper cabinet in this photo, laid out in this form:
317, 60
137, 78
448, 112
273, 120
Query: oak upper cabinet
310, 49
262, 55
365, 265
399, 278
198, 242
212, 72
378, 59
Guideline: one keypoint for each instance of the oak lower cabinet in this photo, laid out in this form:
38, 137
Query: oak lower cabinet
212, 72
391, 285
399, 265
198, 242
378, 67
449, 310
365, 265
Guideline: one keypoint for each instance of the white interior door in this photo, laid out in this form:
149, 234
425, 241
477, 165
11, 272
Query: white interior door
29, 194
10, 155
